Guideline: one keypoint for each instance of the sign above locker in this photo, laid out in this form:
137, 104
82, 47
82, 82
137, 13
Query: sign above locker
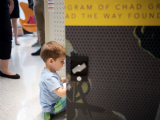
112, 12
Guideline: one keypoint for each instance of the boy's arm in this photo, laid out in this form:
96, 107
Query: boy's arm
63, 79
60, 92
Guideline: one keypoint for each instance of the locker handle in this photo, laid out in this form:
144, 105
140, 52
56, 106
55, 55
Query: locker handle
79, 68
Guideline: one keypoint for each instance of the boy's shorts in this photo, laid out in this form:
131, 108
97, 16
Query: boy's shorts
59, 106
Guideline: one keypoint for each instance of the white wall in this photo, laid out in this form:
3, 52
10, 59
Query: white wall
55, 26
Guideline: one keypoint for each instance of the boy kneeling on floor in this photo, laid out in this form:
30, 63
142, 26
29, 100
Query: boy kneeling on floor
52, 92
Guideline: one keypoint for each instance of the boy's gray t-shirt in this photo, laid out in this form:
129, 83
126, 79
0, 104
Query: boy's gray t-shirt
48, 83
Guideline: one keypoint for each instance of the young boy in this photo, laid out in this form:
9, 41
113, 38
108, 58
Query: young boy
52, 92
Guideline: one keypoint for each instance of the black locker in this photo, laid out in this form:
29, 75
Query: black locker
123, 80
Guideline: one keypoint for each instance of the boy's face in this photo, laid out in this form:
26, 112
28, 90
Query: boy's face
58, 63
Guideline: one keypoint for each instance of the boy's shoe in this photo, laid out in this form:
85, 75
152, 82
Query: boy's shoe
36, 44
48, 116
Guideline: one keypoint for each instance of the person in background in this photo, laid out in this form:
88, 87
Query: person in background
14, 16
6, 39
30, 5
40, 21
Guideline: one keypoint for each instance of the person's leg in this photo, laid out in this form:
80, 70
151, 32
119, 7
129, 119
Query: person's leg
38, 34
39, 14
5, 55
37, 42
0, 65
15, 29
41, 28
4, 67
5, 43
5, 72
37, 28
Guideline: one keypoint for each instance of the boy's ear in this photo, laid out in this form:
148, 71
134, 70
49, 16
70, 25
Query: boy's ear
50, 60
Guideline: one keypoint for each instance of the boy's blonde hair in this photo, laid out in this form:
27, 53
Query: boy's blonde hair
53, 50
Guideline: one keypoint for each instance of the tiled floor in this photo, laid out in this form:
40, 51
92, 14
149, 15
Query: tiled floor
19, 99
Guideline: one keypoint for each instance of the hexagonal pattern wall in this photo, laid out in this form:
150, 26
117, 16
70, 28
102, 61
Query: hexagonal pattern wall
124, 76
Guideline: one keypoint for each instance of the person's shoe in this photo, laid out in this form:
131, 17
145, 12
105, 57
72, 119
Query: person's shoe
37, 52
9, 76
36, 44
17, 43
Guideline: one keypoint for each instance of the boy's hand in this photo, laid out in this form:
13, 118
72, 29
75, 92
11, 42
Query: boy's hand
63, 79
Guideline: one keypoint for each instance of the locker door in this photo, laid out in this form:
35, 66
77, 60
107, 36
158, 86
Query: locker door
123, 78
120, 77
